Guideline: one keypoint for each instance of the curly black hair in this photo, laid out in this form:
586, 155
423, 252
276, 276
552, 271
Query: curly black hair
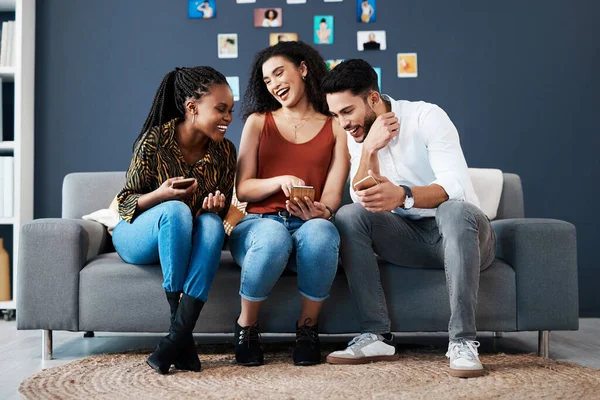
176, 87
257, 98
275, 13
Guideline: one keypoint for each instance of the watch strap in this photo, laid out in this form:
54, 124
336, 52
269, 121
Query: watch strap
408, 193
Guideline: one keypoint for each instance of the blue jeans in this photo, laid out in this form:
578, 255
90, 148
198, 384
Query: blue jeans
263, 243
188, 248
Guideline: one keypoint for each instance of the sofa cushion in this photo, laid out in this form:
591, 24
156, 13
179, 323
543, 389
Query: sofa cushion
120, 297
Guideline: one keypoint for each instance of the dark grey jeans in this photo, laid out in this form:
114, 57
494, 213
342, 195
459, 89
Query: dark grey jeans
459, 239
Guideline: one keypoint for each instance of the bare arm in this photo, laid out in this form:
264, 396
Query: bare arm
338, 170
248, 187
368, 162
383, 130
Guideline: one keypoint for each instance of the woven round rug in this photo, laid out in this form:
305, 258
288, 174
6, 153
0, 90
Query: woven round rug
419, 374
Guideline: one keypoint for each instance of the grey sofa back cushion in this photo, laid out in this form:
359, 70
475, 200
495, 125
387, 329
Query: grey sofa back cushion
86, 192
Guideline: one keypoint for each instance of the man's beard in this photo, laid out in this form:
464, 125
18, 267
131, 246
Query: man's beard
368, 122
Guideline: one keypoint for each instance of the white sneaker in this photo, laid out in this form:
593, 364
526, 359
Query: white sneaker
365, 348
464, 359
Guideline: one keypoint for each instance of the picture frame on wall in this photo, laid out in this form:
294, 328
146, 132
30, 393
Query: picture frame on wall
370, 40
203, 9
323, 29
378, 72
275, 38
245, 1
331, 64
268, 17
234, 84
366, 11
227, 45
407, 65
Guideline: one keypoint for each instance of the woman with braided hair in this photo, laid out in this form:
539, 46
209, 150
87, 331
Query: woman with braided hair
180, 226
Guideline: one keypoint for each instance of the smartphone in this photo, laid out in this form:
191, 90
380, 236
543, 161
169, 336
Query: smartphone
301, 191
365, 183
183, 183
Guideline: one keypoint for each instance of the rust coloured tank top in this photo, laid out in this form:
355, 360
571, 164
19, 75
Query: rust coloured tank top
277, 156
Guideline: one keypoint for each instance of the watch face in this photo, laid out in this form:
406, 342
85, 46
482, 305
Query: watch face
409, 202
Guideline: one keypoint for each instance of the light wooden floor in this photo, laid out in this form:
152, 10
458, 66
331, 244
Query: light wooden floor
20, 351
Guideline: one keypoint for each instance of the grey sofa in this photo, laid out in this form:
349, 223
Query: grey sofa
71, 279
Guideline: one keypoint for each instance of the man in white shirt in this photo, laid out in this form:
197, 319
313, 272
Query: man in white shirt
422, 213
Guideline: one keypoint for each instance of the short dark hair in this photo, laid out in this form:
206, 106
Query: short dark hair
355, 75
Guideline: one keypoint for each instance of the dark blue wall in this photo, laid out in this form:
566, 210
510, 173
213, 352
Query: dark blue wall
517, 78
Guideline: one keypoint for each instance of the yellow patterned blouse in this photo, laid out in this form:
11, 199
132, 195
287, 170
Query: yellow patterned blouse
150, 167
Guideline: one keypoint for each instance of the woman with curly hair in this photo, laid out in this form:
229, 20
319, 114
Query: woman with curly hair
288, 140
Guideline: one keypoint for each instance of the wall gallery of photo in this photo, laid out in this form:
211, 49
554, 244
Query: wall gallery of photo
331, 28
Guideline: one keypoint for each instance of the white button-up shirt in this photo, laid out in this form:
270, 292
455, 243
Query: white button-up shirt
426, 151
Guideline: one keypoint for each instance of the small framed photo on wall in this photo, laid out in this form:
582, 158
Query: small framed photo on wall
378, 72
205, 9
275, 38
407, 65
234, 84
331, 64
245, 1
370, 40
366, 11
296, 1
323, 28
268, 17
227, 45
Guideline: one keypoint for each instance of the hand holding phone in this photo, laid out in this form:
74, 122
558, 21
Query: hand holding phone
183, 183
302, 191
365, 183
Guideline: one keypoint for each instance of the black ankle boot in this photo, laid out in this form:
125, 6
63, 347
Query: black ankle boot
188, 359
308, 346
247, 345
171, 345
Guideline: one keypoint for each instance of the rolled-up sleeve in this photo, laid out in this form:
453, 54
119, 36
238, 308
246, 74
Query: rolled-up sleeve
445, 154
137, 179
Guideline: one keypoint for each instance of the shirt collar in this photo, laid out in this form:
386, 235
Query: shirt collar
394, 103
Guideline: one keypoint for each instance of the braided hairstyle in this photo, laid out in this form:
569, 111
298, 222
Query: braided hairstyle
257, 98
176, 88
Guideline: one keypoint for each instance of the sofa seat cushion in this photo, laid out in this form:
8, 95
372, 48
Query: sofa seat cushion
120, 297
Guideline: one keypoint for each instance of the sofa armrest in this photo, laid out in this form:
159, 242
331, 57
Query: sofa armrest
52, 252
543, 253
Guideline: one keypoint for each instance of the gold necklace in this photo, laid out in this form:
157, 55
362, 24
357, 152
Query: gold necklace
296, 127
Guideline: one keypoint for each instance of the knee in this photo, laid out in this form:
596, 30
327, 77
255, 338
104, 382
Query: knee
351, 217
176, 213
455, 218
211, 225
271, 236
320, 235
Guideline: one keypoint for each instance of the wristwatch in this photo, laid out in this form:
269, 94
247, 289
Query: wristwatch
409, 200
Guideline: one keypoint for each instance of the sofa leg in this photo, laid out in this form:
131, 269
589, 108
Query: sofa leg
88, 334
47, 345
497, 335
544, 344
